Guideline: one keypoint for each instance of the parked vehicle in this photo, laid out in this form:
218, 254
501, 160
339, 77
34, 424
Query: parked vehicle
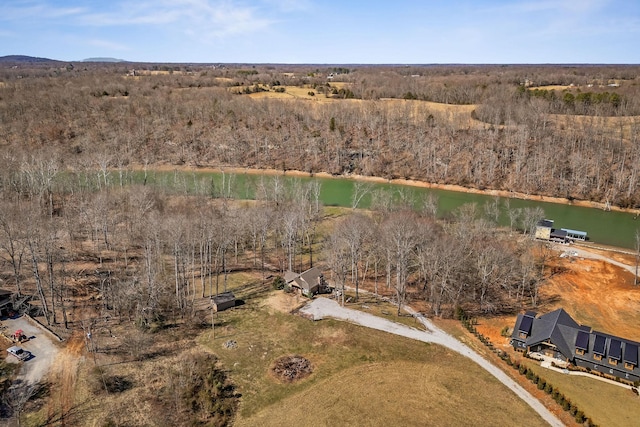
19, 336
19, 352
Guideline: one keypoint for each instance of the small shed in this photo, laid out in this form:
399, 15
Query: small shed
223, 301
575, 234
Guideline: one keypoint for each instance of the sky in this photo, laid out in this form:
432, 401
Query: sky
325, 31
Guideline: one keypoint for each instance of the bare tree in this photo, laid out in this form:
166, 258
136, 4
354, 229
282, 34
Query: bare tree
11, 239
17, 397
530, 217
356, 231
360, 190
400, 233
338, 260
492, 210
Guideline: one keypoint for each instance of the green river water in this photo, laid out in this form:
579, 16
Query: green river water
604, 227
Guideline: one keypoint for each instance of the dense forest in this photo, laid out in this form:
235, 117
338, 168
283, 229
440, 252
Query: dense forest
566, 131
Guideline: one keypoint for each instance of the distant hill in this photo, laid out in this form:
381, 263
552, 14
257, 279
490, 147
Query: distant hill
25, 59
103, 60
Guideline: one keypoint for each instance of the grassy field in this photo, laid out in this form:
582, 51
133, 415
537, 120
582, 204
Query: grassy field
606, 404
361, 376
458, 115
433, 392
553, 87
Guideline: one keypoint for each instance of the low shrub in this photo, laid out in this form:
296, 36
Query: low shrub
278, 283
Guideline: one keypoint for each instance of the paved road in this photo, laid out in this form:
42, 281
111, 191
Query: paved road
41, 345
323, 307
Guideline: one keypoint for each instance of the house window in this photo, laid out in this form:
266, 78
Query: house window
628, 366
613, 361
579, 351
597, 356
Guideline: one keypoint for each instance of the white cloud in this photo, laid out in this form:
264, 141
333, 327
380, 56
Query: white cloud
204, 17
36, 10
105, 44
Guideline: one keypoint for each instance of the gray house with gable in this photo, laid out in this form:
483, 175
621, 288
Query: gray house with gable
557, 335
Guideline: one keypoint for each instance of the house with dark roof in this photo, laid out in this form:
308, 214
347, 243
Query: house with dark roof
557, 335
309, 282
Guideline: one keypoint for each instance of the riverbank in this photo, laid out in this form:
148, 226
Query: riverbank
408, 182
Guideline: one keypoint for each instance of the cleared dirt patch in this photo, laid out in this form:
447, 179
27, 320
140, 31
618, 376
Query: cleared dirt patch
284, 302
292, 368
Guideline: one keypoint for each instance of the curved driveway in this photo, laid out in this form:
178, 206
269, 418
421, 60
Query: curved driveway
323, 307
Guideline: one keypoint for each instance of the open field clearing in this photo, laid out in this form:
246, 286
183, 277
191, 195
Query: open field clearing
458, 115
608, 405
293, 92
429, 392
367, 366
553, 87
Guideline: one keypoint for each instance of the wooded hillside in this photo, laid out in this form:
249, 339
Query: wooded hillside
566, 131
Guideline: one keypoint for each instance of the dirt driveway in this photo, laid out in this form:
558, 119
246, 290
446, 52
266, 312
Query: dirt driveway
41, 345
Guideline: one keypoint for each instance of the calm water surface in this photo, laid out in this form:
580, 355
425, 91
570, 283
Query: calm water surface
610, 228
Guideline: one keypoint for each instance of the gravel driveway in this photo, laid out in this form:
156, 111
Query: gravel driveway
586, 253
323, 307
41, 345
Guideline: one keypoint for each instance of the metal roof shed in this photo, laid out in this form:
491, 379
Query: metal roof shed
575, 234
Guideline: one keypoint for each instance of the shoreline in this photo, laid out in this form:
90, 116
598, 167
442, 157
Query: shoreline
399, 181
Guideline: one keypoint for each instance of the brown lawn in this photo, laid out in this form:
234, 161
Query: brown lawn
437, 392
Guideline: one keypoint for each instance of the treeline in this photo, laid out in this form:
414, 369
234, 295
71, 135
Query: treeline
191, 117
147, 253
460, 262
144, 253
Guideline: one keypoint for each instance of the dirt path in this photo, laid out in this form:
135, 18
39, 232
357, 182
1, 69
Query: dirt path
323, 307
586, 253
64, 374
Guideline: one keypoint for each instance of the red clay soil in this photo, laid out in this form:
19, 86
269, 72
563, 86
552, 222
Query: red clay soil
593, 292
